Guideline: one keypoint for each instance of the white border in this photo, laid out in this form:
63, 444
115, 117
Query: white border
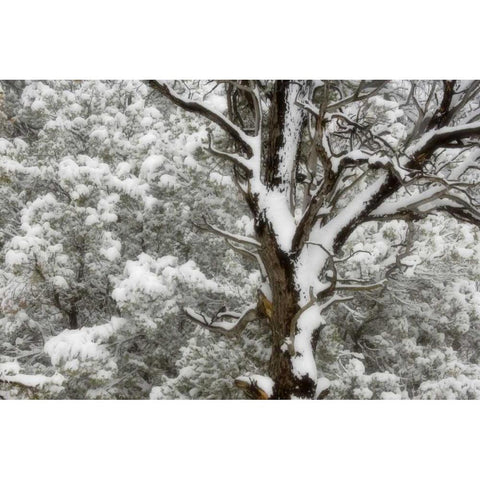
248, 39
212, 440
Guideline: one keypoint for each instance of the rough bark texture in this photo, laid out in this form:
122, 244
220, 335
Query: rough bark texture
279, 264
285, 298
275, 133
73, 318
285, 306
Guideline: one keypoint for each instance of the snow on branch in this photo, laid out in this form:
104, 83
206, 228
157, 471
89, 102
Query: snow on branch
333, 301
462, 214
237, 160
257, 387
471, 162
390, 210
201, 108
450, 193
358, 157
32, 381
442, 137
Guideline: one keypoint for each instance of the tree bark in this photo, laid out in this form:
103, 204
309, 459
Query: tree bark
73, 318
283, 147
280, 268
285, 310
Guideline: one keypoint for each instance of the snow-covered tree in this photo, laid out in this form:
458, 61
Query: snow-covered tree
316, 162
352, 205
95, 201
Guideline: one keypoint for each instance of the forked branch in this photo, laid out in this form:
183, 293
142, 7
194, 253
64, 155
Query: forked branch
218, 323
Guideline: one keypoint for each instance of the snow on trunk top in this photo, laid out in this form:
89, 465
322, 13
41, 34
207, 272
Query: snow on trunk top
278, 213
276, 202
292, 130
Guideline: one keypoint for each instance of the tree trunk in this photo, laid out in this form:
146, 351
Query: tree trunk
288, 382
73, 318
285, 310
285, 126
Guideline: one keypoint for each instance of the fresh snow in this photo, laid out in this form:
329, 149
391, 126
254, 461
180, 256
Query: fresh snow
303, 361
264, 383
34, 381
87, 343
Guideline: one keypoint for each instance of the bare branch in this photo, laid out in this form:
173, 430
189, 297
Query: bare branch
217, 324
333, 301
359, 288
356, 97
252, 255
441, 116
340, 260
407, 243
230, 236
